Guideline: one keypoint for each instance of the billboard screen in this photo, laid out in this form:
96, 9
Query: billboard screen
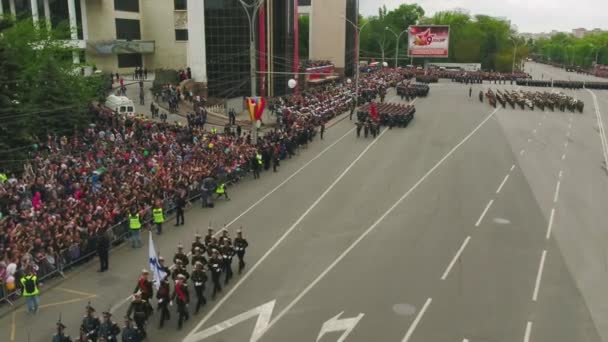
428, 41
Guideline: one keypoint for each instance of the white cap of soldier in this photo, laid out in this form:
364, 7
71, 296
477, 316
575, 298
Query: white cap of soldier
181, 276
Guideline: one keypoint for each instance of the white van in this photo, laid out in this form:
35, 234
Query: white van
121, 105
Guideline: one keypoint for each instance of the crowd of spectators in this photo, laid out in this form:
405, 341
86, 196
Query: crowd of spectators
74, 188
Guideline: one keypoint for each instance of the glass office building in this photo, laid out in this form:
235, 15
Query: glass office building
227, 47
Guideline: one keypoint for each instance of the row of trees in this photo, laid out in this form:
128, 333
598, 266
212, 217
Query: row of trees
568, 50
473, 39
41, 91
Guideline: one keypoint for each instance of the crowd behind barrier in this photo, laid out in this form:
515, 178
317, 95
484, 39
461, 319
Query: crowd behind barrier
73, 189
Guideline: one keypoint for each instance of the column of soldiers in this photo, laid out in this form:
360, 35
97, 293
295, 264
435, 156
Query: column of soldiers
389, 115
213, 255
409, 91
562, 84
531, 100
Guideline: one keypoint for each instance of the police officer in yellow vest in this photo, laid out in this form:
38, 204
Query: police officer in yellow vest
256, 165
29, 284
3, 177
214, 130
221, 190
158, 217
135, 228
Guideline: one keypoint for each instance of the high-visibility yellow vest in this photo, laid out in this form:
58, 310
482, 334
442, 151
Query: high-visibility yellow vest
3, 177
36, 290
157, 213
134, 222
214, 131
259, 158
221, 189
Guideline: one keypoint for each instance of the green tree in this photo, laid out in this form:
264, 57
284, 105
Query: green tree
41, 90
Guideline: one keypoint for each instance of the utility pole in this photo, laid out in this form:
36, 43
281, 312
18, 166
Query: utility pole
398, 37
254, 7
358, 30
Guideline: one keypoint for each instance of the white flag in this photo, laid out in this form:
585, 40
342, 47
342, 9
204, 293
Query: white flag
157, 271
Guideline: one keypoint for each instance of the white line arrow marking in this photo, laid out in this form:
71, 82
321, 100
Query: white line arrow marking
336, 324
264, 312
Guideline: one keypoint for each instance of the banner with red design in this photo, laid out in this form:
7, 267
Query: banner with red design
428, 41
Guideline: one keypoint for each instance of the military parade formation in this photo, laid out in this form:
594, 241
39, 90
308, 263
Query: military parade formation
562, 84
209, 256
407, 90
532, 99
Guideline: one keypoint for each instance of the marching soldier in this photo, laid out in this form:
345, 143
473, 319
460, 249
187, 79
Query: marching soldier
130, 333
60, 336
366, 129
209, 236
144, 286
163, 295
199, 278
197, 243
213, 244
90, 324
108, 330
182, 298
480, 96
216, 265
139, 310
179, 269
198, 256
225, 236
359, 125
181, 256
227, 255
240, 245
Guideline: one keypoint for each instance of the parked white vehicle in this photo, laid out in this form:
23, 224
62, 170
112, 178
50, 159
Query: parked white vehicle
121, 105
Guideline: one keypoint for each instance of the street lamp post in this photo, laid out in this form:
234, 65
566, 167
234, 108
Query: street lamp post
254, 7
514, 53
358, 30
398, 37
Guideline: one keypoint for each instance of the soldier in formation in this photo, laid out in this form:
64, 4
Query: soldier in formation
108, 329
89, 328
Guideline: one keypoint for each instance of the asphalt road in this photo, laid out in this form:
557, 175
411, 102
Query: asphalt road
453, 229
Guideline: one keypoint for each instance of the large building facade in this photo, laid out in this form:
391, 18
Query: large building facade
333, 36
209, 36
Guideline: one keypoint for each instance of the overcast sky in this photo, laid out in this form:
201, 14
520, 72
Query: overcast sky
527, 15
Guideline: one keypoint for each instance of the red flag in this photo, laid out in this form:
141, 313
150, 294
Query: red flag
372, 111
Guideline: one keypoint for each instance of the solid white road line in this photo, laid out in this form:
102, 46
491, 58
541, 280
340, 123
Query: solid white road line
410, 331
556, 195
287, 179
539, 275
484, 213
600, 123
456, 257
284, 236
528, 332
502, 183
550, 225
512, 167
371, 228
